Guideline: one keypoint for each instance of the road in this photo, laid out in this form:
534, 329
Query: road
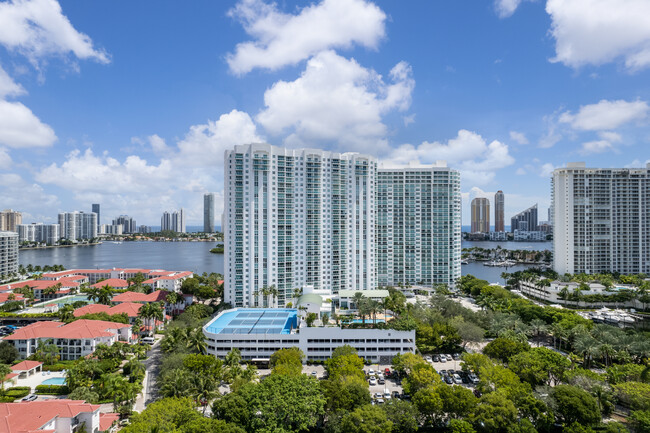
149, 389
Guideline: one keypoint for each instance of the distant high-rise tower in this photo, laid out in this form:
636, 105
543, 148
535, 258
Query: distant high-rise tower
128, 224
208, 212
77, 225
10, 219
525, 220
166, 222
499, 205
480, 215
96, 210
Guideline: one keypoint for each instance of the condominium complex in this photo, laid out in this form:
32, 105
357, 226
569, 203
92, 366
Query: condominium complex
525, 220
128, 224
77, 225
480, 215
111, 229
8, 253
418, 226
41, 233
600, 219
499, 208
9, 220
174, 221
295, 218
208, 212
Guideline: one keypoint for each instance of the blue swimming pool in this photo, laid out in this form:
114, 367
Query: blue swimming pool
254, 321
54, 381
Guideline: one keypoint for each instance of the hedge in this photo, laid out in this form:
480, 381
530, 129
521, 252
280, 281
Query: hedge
52, 389
17, 392
61, 365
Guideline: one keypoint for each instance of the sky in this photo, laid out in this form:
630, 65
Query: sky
132, 104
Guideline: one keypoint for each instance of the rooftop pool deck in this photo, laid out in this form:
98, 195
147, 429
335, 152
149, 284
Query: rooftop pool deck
70, 299
254, 321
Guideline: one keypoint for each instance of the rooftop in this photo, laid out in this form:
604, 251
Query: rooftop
366, 293
76, 330
254, 321
30, 417
116, 283
157, 296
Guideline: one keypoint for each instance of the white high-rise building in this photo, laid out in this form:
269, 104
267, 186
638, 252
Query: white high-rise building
77, 225
418, 226
166, 222
128, 224
8, 253
42, 233
297, 218
9, 220
601, 219
178, 221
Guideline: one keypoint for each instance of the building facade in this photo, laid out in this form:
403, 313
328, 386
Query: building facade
10, 219
77, 225
499, 211
174, 221
128, 224
295, 218
42, 233
96, 209
208, 212
260, 332
601, 219
480, 215
8, 253
418, 226
525, 220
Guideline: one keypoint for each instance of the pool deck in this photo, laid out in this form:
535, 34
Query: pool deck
37, 379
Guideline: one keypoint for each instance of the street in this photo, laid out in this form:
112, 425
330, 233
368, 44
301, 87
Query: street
152, 367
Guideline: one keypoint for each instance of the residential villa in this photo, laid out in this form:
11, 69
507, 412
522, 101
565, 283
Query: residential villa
155, 278
131, 309
74, 340
115, 283
68, 285
54, 416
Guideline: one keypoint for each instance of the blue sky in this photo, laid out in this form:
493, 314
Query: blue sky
132, 104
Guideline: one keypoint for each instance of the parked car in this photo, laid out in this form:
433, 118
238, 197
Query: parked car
381, 381
457, 379
380, 401
387, 396
443, 358
406, 396
30, 397
443, 372
436, 358
428, 358
372, 381
448, 380
371, 372
396, 394
314, 374
473, 378
147, 340
378, 395
456, 356
386, 372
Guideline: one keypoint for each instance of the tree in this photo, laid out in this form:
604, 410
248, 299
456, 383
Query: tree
345, 393
495, 413
105, 295
173, 298
457, 401
403, 415
641, 420
421, 376
503, 348
4, 371
8, 353
429, 404
174, 383
366, 419
468, 331
84, 393
47, 352
310, 319
539, 366
345, 363
575, 405
287, 361
460, 426
66, 313
196, 341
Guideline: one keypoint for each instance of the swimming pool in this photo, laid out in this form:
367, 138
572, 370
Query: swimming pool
70, 299
54, 381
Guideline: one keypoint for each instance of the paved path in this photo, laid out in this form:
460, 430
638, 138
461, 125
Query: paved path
152, 367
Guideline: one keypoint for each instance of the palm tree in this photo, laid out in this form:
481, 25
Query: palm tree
93, 294
196, 341
176, 383
4, 371
373, 309
587, 346
173, 299
203, 389
66, 313
105, 294
358, 297
135, 368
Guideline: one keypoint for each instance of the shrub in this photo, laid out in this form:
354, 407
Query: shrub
52, 389
59, 366
17, 392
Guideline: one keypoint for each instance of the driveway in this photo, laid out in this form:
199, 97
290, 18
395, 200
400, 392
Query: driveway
152, 367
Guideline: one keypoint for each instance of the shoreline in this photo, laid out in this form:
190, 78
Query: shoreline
58, 246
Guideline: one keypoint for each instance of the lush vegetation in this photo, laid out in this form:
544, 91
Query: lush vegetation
218, 249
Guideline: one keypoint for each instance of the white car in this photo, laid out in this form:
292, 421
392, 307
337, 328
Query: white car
372, 381
457, 379
371, 372
387, 396
428, 358
443, 358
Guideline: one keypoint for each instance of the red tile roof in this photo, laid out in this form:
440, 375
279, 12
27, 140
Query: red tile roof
29, 417
106, 420
116, 283
10, 376
4, 297
130, 308
76, 330
158, 295
26, 365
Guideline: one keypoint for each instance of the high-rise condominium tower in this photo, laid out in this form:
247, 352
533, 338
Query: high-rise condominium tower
499, 207
295, 218
208, 212
174, 222
128, 224
480, 215
9, 220
525, 220
601, 219
418, 226
77, 225
8, 253
96, 209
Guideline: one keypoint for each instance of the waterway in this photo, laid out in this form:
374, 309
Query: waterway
196, 257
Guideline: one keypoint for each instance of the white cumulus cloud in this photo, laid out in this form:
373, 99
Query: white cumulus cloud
518, 137
38, 28
336, 100
596, 32
281, 39
20, 128
477, 160
9, 87
606, 115
505, 8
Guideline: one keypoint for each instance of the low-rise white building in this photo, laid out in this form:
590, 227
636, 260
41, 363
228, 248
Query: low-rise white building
259, 332
74, 340
573, 294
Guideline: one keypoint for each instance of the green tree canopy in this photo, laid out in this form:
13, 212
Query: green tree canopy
573, 405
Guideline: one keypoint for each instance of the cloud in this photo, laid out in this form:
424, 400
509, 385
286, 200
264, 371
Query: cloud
477, 160
336, 100
8, 87
637, 163
606, 143
14, 191
606, 115
20, 128
5, 159
513, 203
518, 137
595, 32
505, 8
283, 39
38, 28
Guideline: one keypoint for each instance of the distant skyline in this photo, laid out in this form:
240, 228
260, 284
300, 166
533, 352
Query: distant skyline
132, 105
